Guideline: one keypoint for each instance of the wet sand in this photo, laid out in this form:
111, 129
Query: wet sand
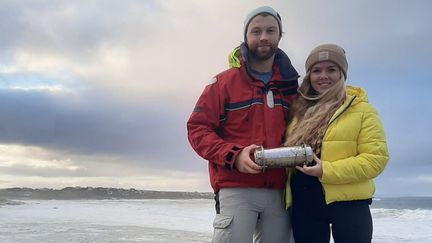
91, 233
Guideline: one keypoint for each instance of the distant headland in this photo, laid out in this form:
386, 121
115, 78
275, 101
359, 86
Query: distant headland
95, 193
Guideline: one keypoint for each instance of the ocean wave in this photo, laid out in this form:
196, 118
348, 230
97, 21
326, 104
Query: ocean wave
417, 214
4, 202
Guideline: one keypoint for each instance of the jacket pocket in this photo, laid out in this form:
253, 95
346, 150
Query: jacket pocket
222, 231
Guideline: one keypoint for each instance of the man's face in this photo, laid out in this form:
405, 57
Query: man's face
263, 37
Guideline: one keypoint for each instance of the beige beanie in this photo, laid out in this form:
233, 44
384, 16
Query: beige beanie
328, 52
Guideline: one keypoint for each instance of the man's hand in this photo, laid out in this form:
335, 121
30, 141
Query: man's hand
315, 170
243, 162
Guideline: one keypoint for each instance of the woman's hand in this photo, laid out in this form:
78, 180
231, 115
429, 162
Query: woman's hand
315, 170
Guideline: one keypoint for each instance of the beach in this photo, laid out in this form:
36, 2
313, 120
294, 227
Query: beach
163, 220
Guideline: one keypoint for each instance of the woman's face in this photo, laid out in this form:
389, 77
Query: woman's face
324, 75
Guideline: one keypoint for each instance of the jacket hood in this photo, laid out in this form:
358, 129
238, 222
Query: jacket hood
239, 56
354, 95
358, 92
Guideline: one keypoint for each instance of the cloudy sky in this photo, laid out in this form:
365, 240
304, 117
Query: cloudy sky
97, 93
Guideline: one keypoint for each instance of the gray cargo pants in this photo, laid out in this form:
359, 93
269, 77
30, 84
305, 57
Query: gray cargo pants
246, 215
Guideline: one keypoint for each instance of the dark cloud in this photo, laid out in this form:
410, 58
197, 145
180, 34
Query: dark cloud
76, 29
97, 125
10, 25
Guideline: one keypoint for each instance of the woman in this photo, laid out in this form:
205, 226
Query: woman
350, 149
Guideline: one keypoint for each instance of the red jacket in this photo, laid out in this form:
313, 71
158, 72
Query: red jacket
232, 113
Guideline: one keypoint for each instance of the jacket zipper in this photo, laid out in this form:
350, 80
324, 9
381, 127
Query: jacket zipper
349, 104
338, 115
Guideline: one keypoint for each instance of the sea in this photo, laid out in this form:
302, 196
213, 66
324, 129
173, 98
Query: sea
396, 220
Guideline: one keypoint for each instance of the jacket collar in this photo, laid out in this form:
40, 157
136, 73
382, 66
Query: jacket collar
282, 67
354, 95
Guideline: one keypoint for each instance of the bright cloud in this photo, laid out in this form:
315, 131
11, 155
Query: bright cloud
33, 158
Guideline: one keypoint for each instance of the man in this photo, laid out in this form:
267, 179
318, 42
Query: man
243, 108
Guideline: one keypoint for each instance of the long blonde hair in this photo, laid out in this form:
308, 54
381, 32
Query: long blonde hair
313, 111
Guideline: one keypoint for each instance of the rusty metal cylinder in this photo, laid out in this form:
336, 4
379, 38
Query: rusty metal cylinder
284, 156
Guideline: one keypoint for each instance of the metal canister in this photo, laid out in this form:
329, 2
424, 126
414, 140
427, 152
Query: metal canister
284, 156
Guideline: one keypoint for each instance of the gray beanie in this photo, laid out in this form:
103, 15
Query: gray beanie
328, 52
258, 11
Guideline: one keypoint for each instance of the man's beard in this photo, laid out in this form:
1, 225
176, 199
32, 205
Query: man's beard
262, 55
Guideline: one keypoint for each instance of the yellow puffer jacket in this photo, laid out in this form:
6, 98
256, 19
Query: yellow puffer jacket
353, 152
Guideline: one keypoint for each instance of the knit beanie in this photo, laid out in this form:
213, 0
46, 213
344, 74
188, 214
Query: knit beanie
328, 52
258, 11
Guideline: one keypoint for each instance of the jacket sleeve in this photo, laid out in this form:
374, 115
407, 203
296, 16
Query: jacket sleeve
371, 159
203, 125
